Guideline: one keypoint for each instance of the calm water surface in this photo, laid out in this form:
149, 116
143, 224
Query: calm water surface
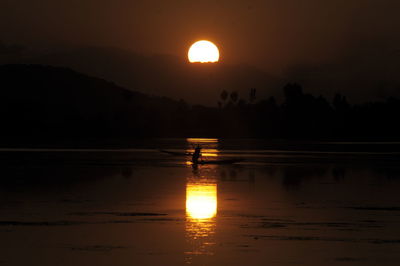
145, 207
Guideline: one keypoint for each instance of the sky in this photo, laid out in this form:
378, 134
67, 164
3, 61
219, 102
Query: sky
270, 34
348, 39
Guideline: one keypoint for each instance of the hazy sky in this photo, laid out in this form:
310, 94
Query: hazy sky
272, 34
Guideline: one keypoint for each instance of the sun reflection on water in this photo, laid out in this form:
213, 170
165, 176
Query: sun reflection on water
201, 211
201, 203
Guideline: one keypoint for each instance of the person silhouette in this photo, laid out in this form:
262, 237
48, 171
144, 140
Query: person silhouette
196, 154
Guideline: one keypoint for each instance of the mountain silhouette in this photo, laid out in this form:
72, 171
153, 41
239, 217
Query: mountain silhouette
53, 102
164, 75
46, 104
367, 75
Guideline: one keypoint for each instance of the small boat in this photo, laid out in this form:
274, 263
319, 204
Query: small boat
226, 161
222, 161
175, 153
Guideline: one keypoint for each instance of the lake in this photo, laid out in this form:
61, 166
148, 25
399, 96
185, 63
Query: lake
320, 203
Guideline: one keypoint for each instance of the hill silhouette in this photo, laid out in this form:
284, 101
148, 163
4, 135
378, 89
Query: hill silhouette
50, 102
364, 76
164, 75
58, 106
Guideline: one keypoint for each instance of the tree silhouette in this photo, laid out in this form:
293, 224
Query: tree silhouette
234, 96
340, 102
55, 103
252, 96
293, 93
224, 95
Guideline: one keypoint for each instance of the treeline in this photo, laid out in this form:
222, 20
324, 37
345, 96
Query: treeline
306, 117
47, 104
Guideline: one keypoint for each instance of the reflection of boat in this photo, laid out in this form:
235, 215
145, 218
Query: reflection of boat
175, 153
226, 161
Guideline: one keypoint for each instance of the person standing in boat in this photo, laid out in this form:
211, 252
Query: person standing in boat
196, 155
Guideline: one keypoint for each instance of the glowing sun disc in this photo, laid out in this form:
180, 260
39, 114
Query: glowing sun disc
203, 52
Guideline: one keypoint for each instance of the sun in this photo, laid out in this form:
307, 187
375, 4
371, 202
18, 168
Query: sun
203, 52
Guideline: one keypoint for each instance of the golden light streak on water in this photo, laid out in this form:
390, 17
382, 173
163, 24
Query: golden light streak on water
209, 147
201, 212
201, 140
201, 201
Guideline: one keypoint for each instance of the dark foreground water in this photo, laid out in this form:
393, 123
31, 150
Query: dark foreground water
320, 204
